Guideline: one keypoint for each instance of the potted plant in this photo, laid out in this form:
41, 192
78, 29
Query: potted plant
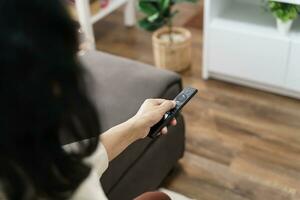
285, 14
171, 45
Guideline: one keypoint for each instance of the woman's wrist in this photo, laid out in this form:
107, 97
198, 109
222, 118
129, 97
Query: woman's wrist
119, 137
138, 128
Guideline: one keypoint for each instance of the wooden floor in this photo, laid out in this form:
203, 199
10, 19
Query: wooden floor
241, 143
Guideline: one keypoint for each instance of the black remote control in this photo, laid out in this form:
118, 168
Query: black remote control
181, 99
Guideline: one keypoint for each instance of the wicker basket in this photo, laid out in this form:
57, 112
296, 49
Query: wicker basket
174, 56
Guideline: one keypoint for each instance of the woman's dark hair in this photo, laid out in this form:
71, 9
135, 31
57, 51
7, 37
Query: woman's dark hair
42, 96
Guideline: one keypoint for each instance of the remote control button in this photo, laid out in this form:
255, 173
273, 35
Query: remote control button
182, 97
166, 115
169, 113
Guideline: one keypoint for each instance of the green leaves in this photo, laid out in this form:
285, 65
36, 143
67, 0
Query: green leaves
147, 8
153, 17
164, 5
284, 11
157, 13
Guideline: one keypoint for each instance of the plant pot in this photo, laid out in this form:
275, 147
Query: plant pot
173, 55
284, 27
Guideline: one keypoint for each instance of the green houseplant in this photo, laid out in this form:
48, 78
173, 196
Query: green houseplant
171, 45
284, 13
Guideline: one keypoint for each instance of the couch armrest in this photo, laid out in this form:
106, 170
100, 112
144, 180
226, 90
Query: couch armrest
118, 86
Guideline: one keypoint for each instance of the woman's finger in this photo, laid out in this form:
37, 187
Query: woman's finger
173, 122
164, 130
157, 101
167, 105
160, 101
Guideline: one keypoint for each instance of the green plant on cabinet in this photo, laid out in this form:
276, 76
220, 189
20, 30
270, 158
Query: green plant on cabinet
284, 11
158, 13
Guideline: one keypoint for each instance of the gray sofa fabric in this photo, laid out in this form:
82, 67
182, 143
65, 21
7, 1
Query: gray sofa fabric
118, 86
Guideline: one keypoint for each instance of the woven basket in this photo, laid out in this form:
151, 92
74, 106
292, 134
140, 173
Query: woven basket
174, 56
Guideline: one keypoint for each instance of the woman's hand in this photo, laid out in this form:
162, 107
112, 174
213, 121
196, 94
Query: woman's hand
117, 138
150, 113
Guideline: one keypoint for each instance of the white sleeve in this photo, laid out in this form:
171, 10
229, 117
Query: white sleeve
98, 160
90, 188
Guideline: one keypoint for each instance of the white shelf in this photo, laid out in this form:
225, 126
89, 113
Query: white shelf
88, 14
113, 5
289, 1
251, 18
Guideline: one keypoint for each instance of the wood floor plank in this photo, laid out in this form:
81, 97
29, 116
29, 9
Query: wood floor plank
272, 131
219, 182
272, 169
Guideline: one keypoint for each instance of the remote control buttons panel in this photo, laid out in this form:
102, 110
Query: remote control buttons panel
181, 97
180, 100
189, 91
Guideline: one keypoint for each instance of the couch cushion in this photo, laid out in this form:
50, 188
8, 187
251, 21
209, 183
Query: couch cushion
118, 86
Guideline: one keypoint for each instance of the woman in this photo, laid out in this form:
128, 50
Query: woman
42, 95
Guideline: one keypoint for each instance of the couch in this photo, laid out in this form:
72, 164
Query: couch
118, 86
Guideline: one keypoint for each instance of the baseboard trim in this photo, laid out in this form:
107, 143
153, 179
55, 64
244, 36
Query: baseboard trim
252, 84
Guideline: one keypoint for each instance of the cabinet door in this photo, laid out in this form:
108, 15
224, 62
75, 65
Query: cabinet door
293, 76
252, 57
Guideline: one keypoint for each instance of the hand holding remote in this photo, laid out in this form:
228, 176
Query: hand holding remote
150, 113
181, 100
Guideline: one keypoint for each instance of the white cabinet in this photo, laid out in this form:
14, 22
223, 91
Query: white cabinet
242, 45
251, 57
293, 76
